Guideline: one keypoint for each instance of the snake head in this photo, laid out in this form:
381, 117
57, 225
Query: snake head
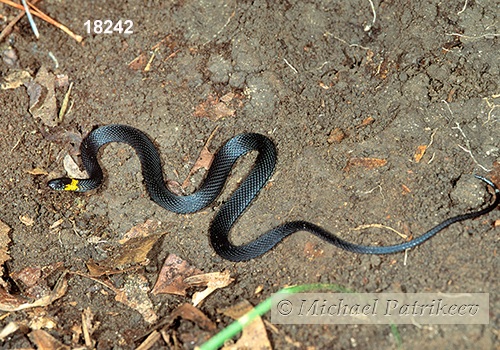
63, 184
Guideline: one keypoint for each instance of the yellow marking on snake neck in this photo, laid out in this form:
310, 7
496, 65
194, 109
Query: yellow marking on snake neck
72, 186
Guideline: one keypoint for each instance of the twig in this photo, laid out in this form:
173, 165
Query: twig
30, 19
468, 146
369, 26
40, 14
17, 143
465, 6
449, 109
380, 226
473, 37
492, 107
289, 65
220, 30
345, 42
8, 29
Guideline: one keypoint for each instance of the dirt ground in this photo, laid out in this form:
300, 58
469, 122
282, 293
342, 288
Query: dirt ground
330, 88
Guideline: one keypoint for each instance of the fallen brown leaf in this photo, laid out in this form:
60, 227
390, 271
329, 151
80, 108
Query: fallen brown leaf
72, 138
44, 341
204, 161
42, 97
189, 312
134, 250
10, 303
141, 230
72, 169
254, 335
15, 79
139, 62
367, 163
172, 275
365, 122
213, 281
37, 171
420, 153
32, 280
214, 109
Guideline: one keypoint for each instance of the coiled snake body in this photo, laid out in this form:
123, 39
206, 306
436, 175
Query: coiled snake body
212, 186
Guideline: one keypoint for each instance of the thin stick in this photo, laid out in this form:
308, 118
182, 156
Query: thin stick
368, 27
488, 36
40, 14
8, 29
380, 226
465, 6
30, 19
289, 65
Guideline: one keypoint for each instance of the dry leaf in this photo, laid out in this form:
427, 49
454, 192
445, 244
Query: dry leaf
133, 251
135, 295
65, 137
213, 281
27, 220
365, 122
214, 109
8, 330
44, 341
11, 303
189, 312
42, 97
33, 279
15, 79
172, 275
37, 171
367, 163
73, 169
203, 162
254, 335
55, 224
139, 62
141, 230
420, 153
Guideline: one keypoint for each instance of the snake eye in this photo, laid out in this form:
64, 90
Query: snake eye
59, 184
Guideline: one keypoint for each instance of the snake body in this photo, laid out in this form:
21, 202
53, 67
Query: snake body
213, 185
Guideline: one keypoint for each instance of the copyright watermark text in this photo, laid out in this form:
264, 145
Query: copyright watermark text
380, 308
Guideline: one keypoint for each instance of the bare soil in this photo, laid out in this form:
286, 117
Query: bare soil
425, 72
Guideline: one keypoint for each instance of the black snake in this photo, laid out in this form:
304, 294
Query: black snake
212, 186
